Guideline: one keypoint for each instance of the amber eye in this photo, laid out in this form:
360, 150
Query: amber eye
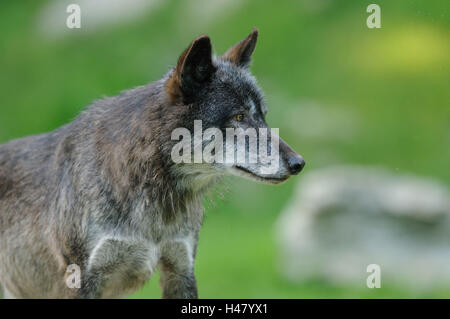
239, 117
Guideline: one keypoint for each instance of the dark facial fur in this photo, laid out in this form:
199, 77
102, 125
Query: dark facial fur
102, 192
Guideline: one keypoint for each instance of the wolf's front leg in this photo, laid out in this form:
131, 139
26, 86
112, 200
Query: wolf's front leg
116, 268
177, 270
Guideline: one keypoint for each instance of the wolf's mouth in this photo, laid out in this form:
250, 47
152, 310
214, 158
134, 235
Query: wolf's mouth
273, 180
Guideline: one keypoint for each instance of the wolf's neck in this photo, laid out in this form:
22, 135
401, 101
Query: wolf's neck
134, 148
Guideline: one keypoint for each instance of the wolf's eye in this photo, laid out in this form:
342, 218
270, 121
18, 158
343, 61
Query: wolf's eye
239, 117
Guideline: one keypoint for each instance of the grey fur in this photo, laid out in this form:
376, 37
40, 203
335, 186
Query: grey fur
101, 192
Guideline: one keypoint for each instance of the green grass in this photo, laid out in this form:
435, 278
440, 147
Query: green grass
393, 82
237, 258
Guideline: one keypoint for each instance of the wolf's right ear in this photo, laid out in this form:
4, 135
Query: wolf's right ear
193, 69
241, 53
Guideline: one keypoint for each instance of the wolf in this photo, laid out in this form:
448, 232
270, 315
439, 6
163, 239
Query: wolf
102, 194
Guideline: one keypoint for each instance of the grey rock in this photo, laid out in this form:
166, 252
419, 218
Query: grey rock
342, 219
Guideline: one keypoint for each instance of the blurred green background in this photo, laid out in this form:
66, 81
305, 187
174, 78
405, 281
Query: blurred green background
339, 92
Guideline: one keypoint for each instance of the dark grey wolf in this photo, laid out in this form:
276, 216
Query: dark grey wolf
102, 192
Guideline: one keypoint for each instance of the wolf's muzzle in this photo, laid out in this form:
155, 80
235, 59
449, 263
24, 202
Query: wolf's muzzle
295, 164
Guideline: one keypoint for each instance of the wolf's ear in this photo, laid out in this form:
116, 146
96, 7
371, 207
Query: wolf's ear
240, 54
193, 69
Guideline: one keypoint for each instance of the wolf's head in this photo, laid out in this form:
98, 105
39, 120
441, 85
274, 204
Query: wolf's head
226, 116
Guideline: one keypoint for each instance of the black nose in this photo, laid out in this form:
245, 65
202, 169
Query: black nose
296, 164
